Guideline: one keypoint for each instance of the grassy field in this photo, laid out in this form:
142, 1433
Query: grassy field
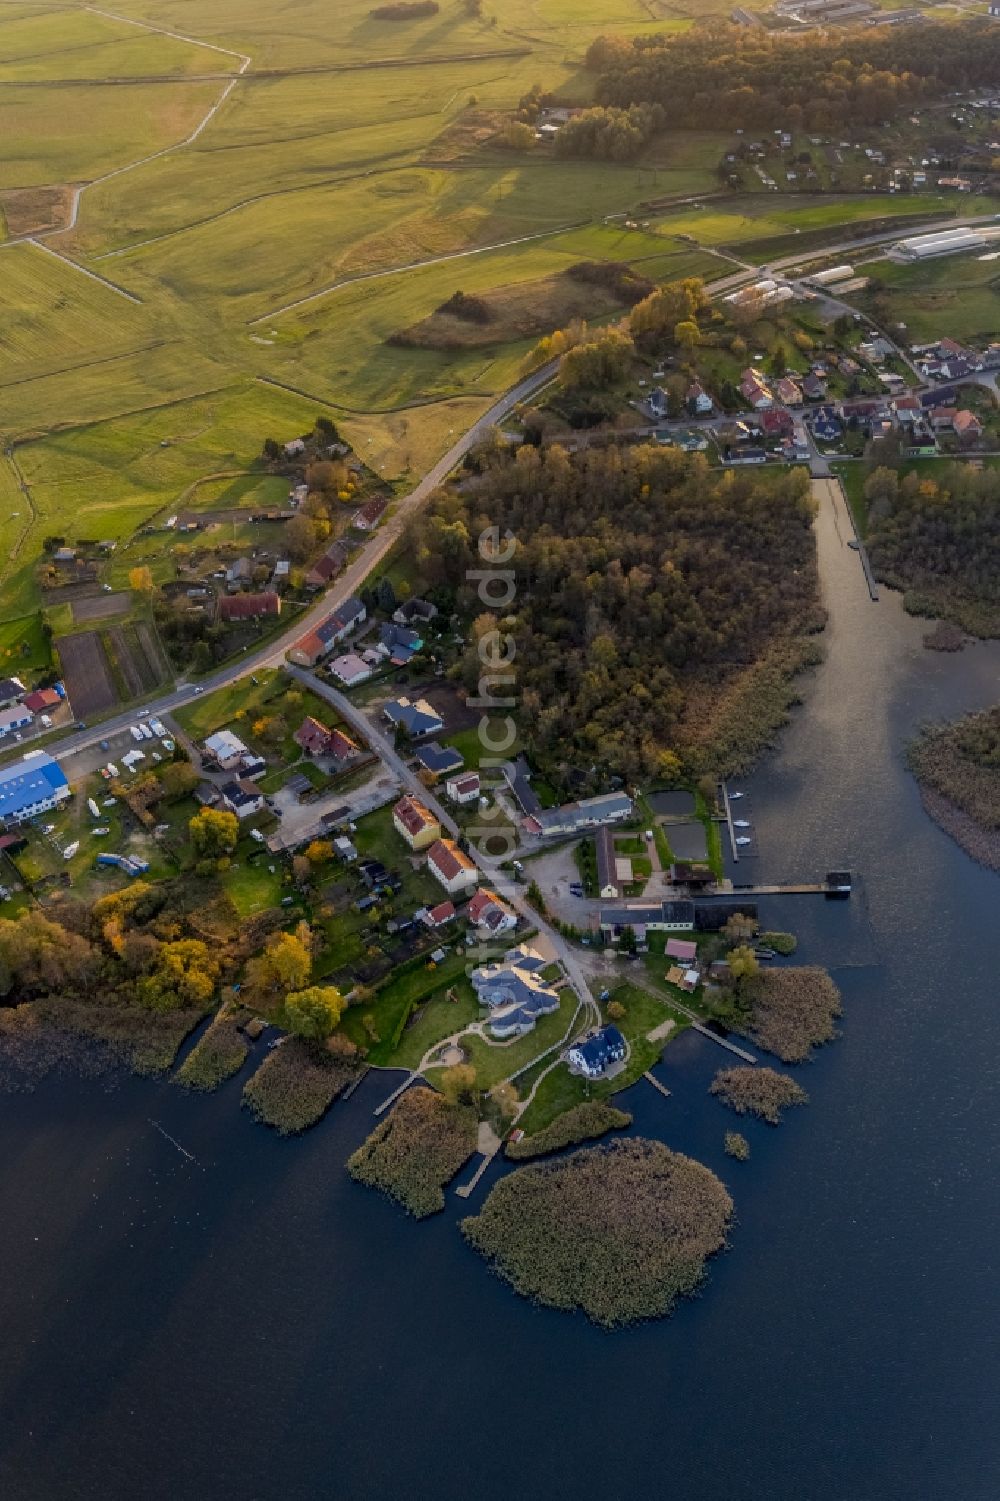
343, 155
744, 221
957, 296
53, 318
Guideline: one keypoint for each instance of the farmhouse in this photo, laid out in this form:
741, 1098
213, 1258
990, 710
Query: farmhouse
369, 516
249, 606
464, 788
350, 669
598, 1055
31, 786
42, 700
14, 717
488, 912
325, 636
417, 719
415, 822
451, 866
573, 818
327, 567
226, 749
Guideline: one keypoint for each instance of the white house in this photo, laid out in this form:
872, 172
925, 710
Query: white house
226, 748
350, 670
463, 788
242, 798
14, 717
487, 912
451, 866
595, 1057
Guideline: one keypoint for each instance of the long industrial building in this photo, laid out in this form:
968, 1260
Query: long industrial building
942, 242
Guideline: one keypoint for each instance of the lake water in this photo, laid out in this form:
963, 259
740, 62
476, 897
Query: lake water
252, 1325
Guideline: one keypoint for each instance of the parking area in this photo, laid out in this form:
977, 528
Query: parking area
300, 821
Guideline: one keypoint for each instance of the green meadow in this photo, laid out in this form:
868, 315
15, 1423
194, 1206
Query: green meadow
955, 296
273, 230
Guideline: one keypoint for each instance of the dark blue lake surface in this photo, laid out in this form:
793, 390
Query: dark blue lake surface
253, 1325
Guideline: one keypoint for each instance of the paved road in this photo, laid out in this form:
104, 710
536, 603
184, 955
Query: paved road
385, 748
272, 654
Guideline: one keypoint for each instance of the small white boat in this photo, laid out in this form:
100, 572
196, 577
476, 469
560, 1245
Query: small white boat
71, 849
734, 795
741, 823
744, 840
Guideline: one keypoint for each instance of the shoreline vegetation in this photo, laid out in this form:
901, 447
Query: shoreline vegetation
620, 1231
788, 1012
296, 1085
582, 1123
762, 1092
219, 1054
413, 1154
957, 769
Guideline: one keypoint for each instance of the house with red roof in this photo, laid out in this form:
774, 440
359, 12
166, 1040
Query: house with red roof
451, 866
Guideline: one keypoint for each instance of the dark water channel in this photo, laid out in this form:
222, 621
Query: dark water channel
251, 1325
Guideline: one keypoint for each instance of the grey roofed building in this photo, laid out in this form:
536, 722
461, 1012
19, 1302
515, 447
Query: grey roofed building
711, 917
608, 884
517, 775
608, 807
414, 609
11, 689
515, 992
664, 917
398, 642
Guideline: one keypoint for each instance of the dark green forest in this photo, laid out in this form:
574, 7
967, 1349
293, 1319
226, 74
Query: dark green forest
647, 585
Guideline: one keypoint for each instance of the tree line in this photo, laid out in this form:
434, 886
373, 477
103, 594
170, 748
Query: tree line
754, 78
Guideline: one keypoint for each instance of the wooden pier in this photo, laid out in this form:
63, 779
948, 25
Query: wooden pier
724, 1042
400, 1089
657, 1085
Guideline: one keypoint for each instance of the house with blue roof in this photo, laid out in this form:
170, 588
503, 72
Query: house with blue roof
398, 643
31, 786
599, 1054
439, 760
515, 992
417, 718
